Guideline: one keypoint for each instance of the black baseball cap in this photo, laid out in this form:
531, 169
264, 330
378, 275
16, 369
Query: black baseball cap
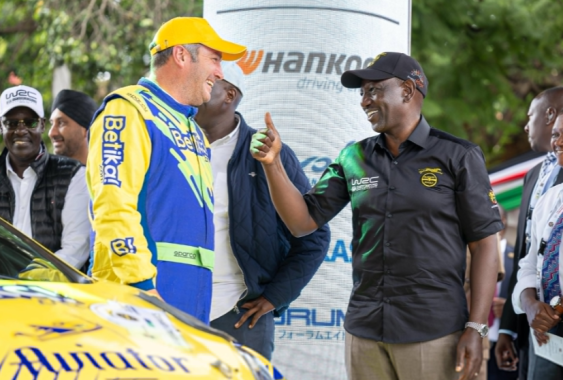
388, 65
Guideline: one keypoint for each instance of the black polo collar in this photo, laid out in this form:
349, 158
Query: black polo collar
419, 135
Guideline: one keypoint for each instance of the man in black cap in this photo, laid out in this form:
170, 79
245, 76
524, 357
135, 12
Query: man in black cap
419, 196
71, 114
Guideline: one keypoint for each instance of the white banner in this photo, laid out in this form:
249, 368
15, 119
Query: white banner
297, 51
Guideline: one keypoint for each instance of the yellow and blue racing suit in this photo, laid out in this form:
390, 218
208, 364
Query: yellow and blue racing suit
150, 183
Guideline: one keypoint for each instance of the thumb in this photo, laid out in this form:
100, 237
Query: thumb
460, 355
551, 312
270, 124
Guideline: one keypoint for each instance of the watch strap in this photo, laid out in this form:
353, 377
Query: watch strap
482, 329
556, 305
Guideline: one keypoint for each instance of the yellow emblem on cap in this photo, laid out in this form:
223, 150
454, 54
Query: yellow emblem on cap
376, 58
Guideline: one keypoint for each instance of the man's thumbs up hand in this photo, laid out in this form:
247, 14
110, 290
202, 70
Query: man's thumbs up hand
266, 143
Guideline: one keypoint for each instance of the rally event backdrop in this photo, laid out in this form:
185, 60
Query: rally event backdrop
297, 51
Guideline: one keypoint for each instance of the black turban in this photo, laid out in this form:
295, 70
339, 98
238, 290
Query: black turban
76, 105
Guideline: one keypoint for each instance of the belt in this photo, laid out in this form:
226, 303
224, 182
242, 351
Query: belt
184, 254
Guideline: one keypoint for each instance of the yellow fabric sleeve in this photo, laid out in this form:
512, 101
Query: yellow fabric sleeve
118, 160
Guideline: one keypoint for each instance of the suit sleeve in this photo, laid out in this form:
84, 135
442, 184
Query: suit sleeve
528, 264
118, 160
509, 319
305, 254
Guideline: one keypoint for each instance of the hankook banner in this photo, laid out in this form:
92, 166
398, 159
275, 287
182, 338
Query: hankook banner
297, 51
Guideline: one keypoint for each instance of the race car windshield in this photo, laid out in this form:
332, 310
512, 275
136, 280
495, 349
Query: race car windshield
21, 258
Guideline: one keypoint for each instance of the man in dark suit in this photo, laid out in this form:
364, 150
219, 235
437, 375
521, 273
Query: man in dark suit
541, 117
507, 250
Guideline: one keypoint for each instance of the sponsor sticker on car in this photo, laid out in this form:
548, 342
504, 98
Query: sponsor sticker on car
142, 322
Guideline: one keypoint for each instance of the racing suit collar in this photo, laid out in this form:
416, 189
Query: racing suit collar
189, 111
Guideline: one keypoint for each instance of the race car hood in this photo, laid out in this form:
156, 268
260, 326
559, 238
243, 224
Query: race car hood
105, 331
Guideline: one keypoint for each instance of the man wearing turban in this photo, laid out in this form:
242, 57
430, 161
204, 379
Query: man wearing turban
71, 114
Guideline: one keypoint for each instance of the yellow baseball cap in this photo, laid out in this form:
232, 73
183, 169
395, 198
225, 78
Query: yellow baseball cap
193, 30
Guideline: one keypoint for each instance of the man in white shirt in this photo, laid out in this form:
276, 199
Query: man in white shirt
512, 354
260, 268
538, 290
43, 195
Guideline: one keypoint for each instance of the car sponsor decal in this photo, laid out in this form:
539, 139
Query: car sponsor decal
58, 329
36, 363
33, 291
142, 322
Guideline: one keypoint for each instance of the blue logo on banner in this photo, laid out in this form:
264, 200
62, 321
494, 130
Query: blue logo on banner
339, 252
311, 317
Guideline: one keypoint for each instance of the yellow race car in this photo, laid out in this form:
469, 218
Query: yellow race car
58, 324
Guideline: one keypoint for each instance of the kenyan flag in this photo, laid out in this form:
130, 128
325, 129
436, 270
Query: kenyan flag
507, 179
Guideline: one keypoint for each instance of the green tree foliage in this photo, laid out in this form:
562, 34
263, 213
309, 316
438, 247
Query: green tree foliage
486, 60
96, 39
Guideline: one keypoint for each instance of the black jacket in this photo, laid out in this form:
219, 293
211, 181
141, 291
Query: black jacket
275, 264
54, 174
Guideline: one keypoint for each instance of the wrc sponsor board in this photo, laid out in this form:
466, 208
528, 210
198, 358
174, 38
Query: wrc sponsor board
297, 51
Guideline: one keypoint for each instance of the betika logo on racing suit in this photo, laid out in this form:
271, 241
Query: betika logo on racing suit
112, 150
122, 247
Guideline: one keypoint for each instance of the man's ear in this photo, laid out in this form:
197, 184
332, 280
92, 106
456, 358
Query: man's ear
231, 94
550, 115
179, 55
85, 133
409, 89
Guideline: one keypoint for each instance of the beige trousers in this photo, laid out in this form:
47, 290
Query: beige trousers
367, 359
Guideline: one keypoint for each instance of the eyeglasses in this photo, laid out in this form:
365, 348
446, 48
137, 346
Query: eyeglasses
12, 125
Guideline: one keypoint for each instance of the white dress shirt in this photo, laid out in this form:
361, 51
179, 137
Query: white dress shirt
547, 211
228, 279
75, 239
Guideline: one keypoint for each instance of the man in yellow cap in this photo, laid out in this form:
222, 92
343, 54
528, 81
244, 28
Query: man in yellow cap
149, 173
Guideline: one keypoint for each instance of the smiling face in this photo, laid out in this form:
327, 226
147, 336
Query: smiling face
382, 101
557, 139
67, 136
214, 107
23, 143
202, 75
